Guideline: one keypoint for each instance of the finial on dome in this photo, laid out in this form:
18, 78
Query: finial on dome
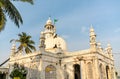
49, 21
92, 32
91, 28
49, 18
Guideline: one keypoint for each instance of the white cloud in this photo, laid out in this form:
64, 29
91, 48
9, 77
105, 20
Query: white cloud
84, 29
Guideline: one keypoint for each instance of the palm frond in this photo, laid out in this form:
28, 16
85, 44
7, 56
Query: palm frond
12, 40
2, 19
25, 43
32, 47
29, 1
20, 48
12, 12
27, 50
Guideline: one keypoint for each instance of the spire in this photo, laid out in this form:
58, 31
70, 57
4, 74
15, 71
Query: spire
93, 43
92, 32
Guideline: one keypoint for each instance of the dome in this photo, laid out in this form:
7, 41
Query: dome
51, 42
61, 43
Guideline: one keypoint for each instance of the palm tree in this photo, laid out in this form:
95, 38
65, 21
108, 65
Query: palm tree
25, 43
6, 7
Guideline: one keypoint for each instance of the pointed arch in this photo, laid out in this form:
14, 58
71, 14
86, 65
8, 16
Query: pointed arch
50, 72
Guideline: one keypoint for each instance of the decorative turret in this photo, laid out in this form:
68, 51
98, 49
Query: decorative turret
42, 41
13, 49
100, 49
49, 29
92, 39
109, 50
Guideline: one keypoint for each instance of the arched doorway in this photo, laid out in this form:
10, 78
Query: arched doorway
50, 72
2, 75
77, 73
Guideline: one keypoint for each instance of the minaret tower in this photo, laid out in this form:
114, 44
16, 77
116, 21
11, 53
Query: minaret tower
93, 43
49, 29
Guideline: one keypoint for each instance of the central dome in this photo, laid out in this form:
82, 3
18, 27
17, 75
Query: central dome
52, 43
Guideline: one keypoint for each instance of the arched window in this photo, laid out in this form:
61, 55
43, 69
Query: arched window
89, 70
50, 72
77, 73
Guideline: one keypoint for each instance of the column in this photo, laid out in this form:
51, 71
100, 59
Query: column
83, 69
96, 71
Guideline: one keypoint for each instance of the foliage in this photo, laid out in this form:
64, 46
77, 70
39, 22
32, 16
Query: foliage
6, 7
26, 44
18, 71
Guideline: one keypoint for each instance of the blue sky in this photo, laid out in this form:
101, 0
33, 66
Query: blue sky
74, 20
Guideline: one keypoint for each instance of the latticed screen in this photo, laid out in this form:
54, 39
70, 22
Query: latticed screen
50, 72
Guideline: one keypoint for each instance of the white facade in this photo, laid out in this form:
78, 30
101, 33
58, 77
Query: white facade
53, 61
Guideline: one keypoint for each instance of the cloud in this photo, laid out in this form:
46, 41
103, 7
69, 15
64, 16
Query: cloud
84, 29
65, 36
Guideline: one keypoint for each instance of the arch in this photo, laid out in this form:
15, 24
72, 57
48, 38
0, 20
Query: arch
89, 70
50, 72
2, 75
107, 72
77, 73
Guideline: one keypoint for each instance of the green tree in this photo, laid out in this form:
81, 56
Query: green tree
18, 71
25, 43
7, 8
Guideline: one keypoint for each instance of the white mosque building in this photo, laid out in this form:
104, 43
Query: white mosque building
54, 61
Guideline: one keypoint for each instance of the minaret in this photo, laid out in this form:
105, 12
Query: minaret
49, 29
93, 43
